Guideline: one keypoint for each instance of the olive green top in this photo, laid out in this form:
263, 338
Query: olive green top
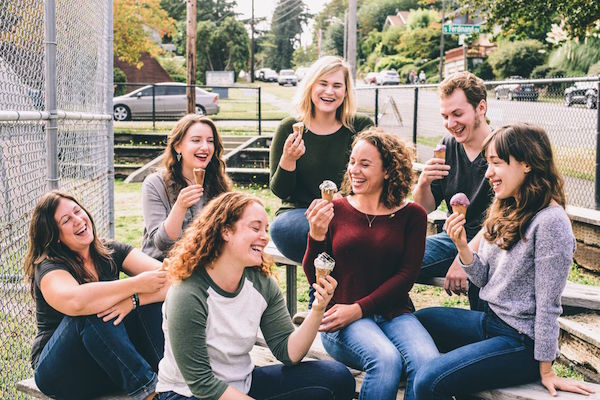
326, 157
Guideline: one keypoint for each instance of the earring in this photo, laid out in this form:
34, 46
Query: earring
178, 157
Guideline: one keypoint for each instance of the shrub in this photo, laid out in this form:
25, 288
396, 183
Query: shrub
395, 62
594, 69
484, 71
119, 76
516, 58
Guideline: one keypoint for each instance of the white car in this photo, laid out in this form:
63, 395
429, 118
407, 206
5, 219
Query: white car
266, 75
287, 77
388, 77
170, 101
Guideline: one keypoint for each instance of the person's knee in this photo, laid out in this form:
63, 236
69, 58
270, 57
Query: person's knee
387, 364
423, 385
343, 382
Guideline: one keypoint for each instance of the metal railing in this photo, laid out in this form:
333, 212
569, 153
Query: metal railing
55, 133
567, 108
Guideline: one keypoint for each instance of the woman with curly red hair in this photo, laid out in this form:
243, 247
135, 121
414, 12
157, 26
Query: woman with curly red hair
223, 293
172, 197
377, 239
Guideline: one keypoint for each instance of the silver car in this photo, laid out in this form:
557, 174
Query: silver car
287, 77
169, 102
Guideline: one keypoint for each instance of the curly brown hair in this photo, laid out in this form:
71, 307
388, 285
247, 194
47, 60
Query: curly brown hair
216, 179
396, 158
508, 218
203, 240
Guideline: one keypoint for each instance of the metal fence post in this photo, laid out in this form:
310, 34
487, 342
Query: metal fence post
52, 124
597, 175
153, 109
109, 110
415, 112
376, 106
259, 114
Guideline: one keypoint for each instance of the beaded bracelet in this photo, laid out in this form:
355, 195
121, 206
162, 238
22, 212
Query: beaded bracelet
135, 300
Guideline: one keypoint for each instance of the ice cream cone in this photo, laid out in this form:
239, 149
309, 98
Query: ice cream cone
459, 203
199, 175
328, 189
440, 151
324, 264
298, 128
460, 209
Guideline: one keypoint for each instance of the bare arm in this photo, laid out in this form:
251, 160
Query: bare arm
66, 295
434, 169
188, 196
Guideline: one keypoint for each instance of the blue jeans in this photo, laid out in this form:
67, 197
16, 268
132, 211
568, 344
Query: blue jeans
440, 252
86, 357
386, 350
481, 352
318, 380
289, 232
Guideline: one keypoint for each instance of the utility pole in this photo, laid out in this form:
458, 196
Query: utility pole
252, 45
190, 90
442, 42
346, 35
352, 37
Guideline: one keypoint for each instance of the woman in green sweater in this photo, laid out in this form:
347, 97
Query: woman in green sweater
300, 161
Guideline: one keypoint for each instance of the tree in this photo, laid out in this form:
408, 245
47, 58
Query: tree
372, 14
221, 47
333, 42
130, 38
286, 27
516, 58
304, 55
422, 18
206, 10
580, 16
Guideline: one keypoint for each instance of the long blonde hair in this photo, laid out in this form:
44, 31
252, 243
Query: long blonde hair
324, 66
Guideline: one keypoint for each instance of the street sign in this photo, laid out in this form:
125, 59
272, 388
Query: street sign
461, 29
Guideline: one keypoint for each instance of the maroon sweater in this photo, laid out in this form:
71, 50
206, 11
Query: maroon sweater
375, 266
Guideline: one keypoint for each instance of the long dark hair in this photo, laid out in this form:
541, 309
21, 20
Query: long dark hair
44, 243
508, 218
216, 179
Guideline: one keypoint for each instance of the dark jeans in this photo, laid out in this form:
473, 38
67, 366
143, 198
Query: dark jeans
481, 352
86, 357
440, 252
309, 380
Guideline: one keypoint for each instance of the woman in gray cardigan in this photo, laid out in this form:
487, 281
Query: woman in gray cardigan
171, 197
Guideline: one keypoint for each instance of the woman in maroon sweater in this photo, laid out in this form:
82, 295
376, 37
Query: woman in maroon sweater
377, 239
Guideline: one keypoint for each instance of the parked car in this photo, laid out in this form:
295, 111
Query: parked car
388, 77
266, 75
516, 91
582, 93
287, 77
169, 102
371, 78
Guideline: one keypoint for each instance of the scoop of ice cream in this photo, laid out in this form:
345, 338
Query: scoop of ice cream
324, 261
440, 147
459, 199
328, 185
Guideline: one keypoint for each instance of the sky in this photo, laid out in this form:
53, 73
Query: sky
265, 8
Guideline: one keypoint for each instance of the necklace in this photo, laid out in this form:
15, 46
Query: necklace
370, 220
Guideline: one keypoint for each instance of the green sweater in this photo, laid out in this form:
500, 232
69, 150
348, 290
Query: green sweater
209, 333
326, 157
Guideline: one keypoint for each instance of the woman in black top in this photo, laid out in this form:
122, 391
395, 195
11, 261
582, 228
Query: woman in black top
82, 350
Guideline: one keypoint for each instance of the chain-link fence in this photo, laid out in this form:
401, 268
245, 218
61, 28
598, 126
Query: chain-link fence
567, 108
55, 132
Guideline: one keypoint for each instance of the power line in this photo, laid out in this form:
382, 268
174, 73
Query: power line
290, 11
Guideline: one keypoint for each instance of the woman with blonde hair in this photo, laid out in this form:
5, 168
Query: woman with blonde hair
97, 334
172, 197
223, 293
377, 239
301, 160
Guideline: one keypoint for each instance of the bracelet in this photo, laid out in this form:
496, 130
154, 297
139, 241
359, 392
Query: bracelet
135, 300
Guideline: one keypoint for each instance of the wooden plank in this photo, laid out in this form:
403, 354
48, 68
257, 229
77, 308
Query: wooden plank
580, 343
534, 391
587, 256
582, 296
586, 215
29, 387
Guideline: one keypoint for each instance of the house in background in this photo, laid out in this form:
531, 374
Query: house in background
475, 54
400, 19
151, 71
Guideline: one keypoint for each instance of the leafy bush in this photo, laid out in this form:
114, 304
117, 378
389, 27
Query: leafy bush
422, 18
484, 71
576, 58
119, 76
516, 58
395, 62
594, 69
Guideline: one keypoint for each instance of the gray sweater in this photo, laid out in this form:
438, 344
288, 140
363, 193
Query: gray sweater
523, 285
156, 207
